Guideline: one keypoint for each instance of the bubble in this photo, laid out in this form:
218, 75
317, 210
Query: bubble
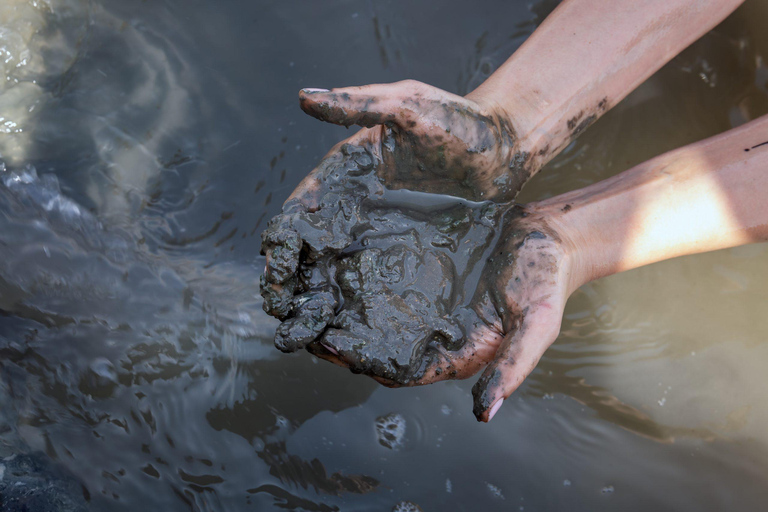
566, 483
608, 489
390, 430
448, 486
407, 506
494, 490
445, 409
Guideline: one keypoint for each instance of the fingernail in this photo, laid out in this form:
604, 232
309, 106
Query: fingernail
330, 349
494, 408
310, 90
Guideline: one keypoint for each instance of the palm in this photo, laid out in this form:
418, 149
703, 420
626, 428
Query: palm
426, 140
521, 298
404, 320
429, 140
416, 137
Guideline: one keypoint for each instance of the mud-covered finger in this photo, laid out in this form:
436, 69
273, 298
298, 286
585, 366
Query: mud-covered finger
460, 356
458, 364
312, 312
347, 345
367, 105
281, 244
317, 349
515, 359
278, 298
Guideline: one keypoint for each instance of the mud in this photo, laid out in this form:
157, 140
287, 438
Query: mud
434, 144
583, 120
381, 278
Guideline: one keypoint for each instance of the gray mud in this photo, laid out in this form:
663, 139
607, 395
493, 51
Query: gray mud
448, 149
382, 278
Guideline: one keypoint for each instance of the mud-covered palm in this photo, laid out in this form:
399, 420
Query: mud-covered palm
521, 299
417, 138
428, 140
498, 305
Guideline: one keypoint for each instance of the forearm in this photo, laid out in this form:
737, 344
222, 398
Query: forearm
585, 58
706, 196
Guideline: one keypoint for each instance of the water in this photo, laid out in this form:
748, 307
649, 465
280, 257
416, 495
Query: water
147, 143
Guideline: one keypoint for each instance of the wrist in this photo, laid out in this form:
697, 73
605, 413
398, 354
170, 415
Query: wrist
575, 238
526, 154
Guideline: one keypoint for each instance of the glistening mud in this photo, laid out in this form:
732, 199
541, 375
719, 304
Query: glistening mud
134, 352
381, 278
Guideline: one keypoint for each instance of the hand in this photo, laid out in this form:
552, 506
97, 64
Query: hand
513, 316
428, 140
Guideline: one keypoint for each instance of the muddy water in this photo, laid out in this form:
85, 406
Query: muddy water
133, 350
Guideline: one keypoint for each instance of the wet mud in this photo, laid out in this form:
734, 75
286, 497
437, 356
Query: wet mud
432, 143
381, 278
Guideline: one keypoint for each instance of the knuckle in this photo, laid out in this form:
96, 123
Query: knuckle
413, 85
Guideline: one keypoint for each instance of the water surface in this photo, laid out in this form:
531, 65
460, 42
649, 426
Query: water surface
147, 144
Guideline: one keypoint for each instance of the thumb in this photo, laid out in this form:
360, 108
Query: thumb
515, 359
367, 105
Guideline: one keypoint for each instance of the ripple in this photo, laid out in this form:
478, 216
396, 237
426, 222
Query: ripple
390, 431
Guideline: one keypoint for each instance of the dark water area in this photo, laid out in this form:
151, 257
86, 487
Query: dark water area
147, 144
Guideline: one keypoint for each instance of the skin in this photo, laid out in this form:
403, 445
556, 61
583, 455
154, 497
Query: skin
368, 263
427, 139
482, 147
702, 197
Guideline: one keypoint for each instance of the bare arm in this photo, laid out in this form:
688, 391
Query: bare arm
585, 58
705, 196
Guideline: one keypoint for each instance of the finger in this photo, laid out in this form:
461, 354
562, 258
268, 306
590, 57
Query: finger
278, 298
367, 105
323, 352
456, 364
281, 244
350, 347
313, 311
515, 359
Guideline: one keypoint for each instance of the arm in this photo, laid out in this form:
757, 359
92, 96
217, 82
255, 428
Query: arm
486, 146
586, 57
706, 196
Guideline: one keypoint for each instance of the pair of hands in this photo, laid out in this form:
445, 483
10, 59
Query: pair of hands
381, 289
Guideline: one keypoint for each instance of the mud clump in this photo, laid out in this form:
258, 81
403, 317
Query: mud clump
380, 278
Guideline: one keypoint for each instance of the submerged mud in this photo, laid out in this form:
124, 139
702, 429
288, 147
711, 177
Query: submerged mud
380, 278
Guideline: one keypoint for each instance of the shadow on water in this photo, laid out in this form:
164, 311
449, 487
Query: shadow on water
133, 349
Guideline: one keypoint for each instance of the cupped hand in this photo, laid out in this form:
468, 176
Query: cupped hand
512, 317
416, 137
429, 140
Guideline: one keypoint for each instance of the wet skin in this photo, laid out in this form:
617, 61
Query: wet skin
410, 288
383, 277
430, 140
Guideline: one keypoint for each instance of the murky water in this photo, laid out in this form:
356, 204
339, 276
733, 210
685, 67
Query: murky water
146, 145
